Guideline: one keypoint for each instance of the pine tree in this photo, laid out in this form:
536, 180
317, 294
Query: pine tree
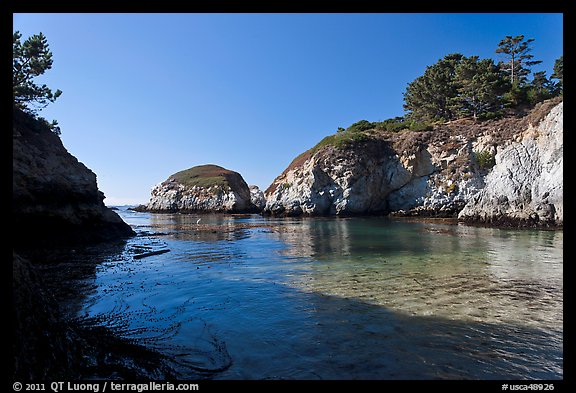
516, 50
480, 87
541, 88
433, 96
31, 59
559, 72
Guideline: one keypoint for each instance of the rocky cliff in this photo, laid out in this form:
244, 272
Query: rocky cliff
55, 202
525, 187
204, 188
257, 197
430, 173
55, 198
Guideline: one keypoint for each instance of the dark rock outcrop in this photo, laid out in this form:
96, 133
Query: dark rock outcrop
48, 345
43, 347
204, 188
55, 202
55, 198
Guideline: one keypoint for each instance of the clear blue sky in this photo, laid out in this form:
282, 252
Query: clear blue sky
147, 95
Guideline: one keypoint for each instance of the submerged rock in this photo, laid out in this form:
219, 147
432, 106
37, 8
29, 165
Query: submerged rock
204, 188
47, 343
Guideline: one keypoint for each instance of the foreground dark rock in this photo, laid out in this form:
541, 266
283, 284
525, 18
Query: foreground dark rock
48, 345
203, 189
56, 203
55, 198
43, 348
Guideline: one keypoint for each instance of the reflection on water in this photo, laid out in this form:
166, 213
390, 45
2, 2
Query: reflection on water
453, 271
205, 227
361, 298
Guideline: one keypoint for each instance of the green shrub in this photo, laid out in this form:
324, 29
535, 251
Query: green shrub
361, 125
452, 188
485, 159
393, 125
340, 140
491, 115
419, 126
516, 96
205, 176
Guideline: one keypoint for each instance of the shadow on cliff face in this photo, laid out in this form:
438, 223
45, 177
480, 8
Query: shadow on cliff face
55, 202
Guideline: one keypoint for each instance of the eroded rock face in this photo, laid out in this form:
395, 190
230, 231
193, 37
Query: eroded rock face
434, 173
257, 197
205, 188
55, 198
525, 187
374, 177
349, 181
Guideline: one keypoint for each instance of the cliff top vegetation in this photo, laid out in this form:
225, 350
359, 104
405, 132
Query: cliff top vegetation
209, 175
457, 87
31, 59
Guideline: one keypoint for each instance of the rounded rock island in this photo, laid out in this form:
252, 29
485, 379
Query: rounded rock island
204, 188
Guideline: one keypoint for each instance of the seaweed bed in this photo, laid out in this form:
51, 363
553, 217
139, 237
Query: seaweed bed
49, 340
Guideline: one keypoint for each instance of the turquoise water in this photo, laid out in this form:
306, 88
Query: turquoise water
246, 297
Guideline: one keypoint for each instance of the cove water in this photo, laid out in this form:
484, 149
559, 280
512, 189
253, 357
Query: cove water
247, 297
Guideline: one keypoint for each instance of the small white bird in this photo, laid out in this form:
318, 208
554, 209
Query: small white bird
198, 221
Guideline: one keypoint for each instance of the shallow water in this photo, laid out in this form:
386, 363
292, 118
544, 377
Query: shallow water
246, 297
